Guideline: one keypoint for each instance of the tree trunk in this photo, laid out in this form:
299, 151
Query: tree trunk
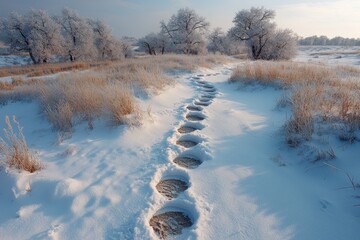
32, 57
72, 58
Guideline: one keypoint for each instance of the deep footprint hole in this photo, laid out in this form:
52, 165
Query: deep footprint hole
207, 100
208, 87
187, 143
171, 188
190, 127
170, 223
186, 129
188, 162
207, 96
200, 103
195, 117
210, 90
194, 108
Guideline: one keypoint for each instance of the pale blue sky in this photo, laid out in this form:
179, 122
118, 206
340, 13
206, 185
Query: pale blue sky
139, 17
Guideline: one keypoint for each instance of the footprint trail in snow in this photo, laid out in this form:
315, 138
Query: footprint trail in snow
171, 221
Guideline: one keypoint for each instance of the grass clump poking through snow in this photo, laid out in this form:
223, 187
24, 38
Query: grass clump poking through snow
84, 97
107, 91
284, 74
14, 150
318, 95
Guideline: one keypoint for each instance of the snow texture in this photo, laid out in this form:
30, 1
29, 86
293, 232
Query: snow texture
101, 183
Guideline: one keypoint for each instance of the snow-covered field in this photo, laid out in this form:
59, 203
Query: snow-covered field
102, 183
333, 55
14, 60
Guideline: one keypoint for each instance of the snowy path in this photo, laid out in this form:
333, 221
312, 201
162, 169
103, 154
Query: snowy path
174, 217
208, 162
243, 182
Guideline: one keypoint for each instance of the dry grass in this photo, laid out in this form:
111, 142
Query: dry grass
106, 91
284, 73
47, 69
318, 94
14, 150
79, 97
168, 61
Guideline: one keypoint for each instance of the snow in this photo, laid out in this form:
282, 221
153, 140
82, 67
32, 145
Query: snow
330, 55
14, 60
100, 184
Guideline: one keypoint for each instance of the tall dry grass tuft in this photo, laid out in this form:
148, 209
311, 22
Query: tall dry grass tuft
80, 97
284, 73
318, 92
121, 104
61, 116
14, 150
106, 91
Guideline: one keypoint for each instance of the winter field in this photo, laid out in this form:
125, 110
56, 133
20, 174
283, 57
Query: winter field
202, 149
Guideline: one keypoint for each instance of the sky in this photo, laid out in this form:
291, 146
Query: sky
137, 18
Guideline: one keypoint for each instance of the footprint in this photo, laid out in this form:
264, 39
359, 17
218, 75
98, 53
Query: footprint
186, 129
207, 96
210, 90
194, 117
187, 162
208, 87
170, 223
171, 188
186, 143
194, 108
201, 99
200, 103
190, 127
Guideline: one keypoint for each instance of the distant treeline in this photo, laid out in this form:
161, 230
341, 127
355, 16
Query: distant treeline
323, 41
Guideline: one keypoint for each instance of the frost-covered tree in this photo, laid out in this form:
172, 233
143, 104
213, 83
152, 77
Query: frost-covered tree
154, 43
185, 29
256, 28
127, 48
148, 43
108, 47
282, 45
219, 42
78, 35
16, 33
45, 36
35, 33
216, 41
323, 40
68, 35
